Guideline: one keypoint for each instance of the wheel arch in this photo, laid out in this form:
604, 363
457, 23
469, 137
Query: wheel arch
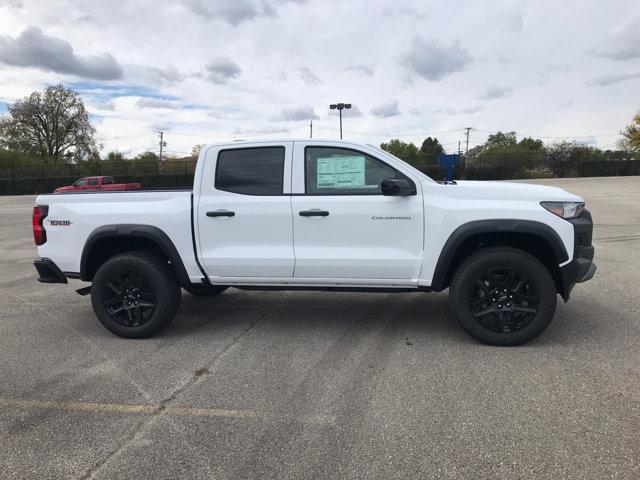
536, 238
109, 240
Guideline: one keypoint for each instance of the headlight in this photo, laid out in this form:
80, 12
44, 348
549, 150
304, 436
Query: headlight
564, 209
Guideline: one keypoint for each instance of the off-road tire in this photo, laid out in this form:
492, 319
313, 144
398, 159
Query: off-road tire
477, 282
159, 287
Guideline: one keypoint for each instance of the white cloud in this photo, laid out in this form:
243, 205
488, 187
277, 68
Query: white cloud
384, 110
495, 92
432, 60
514, 23
147, 102
268, 58
607, 80
466, 111
362, 68
16, 4
221, 70
234, 12
108, 105
624, 43
32, 48
309, 77
296, 114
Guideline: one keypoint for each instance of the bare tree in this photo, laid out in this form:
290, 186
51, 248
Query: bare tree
52, 124
197, 148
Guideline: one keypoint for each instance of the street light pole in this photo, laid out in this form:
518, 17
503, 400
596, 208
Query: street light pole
340, 107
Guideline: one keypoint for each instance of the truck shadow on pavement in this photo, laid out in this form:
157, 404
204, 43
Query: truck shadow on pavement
423, 315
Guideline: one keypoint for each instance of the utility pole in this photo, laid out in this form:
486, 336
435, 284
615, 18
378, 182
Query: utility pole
311, 129
468, 129
339, 107
459, 152
466, 151
162, 144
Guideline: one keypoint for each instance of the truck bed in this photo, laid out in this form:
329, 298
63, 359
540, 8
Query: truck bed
73, 216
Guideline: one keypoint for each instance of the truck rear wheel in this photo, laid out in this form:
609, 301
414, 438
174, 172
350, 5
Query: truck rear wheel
135, 294
205, 290
503, 296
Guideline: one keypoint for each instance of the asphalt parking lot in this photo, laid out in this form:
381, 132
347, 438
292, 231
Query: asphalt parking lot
323, 385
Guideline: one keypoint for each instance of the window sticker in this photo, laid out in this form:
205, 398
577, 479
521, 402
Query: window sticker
340, 172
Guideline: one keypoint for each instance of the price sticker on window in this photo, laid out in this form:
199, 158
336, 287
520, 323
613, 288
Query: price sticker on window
340, 172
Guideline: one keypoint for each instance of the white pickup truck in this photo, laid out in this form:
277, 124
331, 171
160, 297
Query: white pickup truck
323, 215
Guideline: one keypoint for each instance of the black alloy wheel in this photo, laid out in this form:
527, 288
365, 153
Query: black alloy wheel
129, 298
503, 299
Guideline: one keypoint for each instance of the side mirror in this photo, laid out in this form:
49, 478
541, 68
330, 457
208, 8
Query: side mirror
397, 187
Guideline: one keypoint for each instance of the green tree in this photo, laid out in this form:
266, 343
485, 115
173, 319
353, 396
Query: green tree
146, 157
631, 134
430, 150
404, 151
115, 157
501, 141
562, 157
529, 144
52, 124
502, 150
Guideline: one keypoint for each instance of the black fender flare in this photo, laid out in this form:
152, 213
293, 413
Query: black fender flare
147, 232
467, 230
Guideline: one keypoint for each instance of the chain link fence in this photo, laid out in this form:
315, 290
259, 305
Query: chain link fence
34, 179
44, 178
523, 165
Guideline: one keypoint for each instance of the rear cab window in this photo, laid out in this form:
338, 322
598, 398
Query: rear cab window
251, 171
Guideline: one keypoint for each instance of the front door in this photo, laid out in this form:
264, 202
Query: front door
244, 212
344, 227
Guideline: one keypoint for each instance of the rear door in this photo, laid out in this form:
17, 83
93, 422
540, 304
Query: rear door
93, 183
244, 212
344, 227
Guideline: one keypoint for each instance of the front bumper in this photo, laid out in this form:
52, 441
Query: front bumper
48, 271
581, 268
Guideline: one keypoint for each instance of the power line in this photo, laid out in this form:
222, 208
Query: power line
391, 134
226, 135
553, 136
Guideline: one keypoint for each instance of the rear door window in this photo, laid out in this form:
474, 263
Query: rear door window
251, 171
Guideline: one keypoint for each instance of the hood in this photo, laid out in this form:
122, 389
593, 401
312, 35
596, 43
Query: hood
510, 191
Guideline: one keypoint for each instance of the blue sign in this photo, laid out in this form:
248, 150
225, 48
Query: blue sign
449, 161
452, 160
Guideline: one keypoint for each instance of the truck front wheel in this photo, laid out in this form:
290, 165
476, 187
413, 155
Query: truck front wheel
135, 294
503, 296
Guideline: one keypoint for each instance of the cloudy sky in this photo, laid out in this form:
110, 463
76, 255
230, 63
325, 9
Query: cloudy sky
211, 70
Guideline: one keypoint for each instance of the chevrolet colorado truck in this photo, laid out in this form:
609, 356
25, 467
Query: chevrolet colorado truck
322, 215
98, 183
